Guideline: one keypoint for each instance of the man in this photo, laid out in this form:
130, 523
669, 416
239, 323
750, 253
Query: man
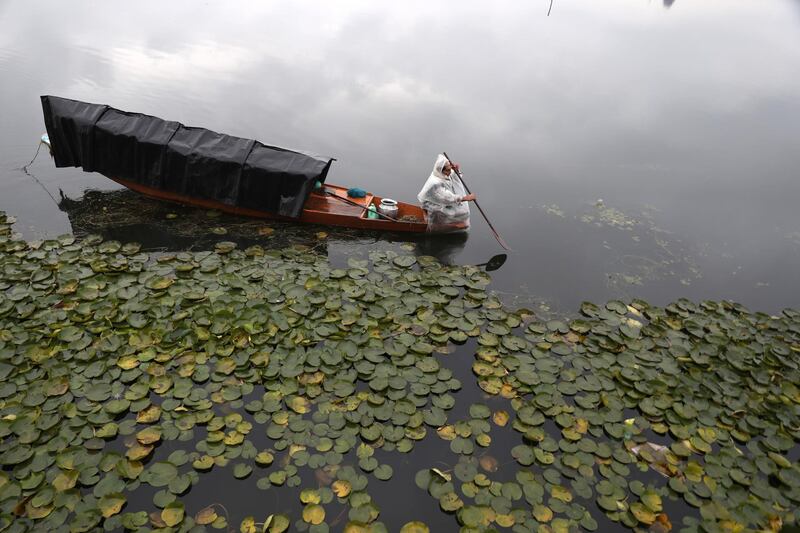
444, 198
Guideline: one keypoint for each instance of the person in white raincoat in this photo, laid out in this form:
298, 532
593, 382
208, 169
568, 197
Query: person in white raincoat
444, 198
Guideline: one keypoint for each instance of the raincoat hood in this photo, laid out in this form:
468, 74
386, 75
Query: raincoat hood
438, 168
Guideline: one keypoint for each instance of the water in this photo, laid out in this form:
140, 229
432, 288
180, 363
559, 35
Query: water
628, 148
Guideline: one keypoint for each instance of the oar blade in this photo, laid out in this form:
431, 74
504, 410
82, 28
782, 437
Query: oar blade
496, 262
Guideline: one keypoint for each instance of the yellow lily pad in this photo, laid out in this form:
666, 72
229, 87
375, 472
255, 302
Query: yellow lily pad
264, 458
310, 496
299, 404
248, 525
111, 504
642, 513
128, 362
561, 493
500, 418
415, 527
149, 435
341, 488
173, 513
314, 514
65, 480
138, 452
149, 414
542, 513
205, 516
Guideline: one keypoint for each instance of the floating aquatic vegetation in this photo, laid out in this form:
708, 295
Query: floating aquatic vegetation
655, 255
641, 224
617, 280
553, 209
609, 216
267, 364
642, 251
707, 378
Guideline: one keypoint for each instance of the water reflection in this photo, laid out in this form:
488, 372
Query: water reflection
445, 248
128, 216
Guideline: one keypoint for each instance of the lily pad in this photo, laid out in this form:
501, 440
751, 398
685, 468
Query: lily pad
161, 473
111, 504
205, 516
314, 514
415, 527
173, 514
242, 470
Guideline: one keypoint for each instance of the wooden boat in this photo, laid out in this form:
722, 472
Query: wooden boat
329, 206
198, 167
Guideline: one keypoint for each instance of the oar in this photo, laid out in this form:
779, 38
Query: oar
349, 201
494, 263
496, 235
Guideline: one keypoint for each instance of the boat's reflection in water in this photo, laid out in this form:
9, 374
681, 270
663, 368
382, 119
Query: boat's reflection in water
445, 247
127, 216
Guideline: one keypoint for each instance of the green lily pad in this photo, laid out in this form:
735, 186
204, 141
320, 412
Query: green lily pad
160, 474
16, 455
450, 502
159, 283
383, 472
276, 523
242, 470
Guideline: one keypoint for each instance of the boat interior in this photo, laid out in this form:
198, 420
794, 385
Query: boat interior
344, 205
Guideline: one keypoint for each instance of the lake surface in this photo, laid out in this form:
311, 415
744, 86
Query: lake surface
682, 118
636, 149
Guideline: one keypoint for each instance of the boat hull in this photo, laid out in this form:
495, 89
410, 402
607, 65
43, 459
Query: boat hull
328, 207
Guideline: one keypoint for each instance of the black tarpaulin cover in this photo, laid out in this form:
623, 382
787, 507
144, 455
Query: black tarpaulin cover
166, 155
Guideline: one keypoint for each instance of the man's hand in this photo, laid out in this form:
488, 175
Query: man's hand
469, 198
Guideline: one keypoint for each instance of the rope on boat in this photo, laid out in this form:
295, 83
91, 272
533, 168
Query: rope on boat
25, 170
39, 147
